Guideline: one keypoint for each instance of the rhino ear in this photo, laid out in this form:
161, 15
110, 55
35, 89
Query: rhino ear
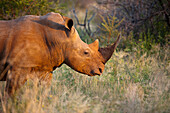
69, 23
95, 45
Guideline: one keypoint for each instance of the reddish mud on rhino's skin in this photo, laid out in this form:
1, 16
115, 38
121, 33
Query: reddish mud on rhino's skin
33, 46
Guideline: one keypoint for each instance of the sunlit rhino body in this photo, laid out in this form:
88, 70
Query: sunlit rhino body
35, 45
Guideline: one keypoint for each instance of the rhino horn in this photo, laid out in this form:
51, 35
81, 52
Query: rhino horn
108, 51
95, 45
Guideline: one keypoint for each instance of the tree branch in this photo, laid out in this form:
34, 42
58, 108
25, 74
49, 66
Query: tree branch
86, 23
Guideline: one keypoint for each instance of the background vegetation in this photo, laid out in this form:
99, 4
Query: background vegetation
136, 79
11, 9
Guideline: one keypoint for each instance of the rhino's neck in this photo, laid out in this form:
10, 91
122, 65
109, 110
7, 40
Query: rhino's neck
53, 36
55, 48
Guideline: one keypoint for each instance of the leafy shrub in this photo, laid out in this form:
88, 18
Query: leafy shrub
109, 26
11, 9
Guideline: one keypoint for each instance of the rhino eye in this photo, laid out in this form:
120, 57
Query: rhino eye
86, 52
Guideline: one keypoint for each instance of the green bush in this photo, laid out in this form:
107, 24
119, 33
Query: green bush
109, 28
11, 9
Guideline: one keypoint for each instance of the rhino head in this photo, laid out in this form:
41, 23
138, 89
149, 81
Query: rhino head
85, 58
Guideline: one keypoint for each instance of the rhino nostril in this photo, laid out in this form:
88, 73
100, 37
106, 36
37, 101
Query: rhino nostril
100, 70
92, 72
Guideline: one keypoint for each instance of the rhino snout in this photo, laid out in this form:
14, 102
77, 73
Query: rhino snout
97, 71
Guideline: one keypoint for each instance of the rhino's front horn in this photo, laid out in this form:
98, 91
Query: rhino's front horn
108, 51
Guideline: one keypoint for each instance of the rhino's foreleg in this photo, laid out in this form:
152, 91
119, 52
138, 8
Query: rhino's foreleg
14, 81
17, 78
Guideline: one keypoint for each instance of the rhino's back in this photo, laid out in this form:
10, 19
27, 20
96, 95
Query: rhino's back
8, 30
26, 25
11, 31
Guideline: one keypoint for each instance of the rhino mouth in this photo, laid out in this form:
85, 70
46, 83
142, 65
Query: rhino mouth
93, 73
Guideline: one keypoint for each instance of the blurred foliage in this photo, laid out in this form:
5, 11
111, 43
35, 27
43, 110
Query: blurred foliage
146, 21
143, 23
84, 36
11, 9
109, 27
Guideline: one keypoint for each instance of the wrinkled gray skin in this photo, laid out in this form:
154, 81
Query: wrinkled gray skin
33, 46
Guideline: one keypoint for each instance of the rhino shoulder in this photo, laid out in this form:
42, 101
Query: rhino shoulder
55, 17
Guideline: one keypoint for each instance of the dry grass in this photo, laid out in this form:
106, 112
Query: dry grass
129, 84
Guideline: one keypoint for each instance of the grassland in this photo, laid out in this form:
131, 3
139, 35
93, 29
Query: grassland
131, 83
